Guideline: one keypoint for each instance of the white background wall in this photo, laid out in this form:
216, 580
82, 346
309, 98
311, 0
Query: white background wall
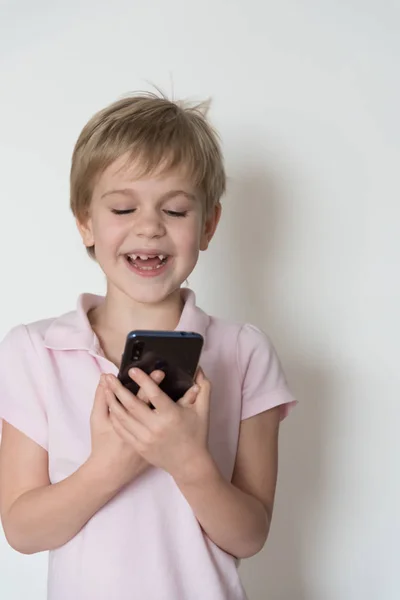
306, 97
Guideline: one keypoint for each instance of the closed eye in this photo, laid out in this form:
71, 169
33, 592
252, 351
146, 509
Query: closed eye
127, 211
174, 213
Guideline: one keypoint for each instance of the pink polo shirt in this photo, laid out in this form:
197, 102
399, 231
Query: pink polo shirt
146, 543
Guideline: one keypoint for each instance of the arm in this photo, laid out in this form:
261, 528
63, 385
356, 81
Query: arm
236, 516
37, 515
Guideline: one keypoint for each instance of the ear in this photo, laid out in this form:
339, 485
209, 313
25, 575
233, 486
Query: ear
86, 231
210, 226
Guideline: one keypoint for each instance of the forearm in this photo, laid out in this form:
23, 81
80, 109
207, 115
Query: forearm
48, 517
235, 521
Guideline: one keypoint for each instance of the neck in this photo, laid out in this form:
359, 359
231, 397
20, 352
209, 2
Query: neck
119, 314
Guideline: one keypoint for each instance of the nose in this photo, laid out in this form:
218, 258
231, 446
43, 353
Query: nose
149, 224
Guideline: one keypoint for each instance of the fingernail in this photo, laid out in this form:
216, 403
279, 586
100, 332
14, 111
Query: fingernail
195, 388
132, 371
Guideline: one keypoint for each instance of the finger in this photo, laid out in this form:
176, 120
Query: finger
200, 377
190, 396
155, 395
156, 376
204, 394
126, 420
124, 434
130, 403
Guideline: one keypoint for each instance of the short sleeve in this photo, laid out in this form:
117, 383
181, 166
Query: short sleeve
21, 393
263, 381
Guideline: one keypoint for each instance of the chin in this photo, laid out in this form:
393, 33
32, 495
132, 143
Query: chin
150, 294
147, 290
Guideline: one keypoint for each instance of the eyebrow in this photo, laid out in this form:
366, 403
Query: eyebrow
131, 193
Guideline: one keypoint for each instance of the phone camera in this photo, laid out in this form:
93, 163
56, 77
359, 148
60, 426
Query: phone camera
137, 350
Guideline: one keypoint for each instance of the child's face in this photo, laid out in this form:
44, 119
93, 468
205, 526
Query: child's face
148, 250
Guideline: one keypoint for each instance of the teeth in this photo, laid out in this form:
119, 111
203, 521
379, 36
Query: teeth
148, 268
146, 256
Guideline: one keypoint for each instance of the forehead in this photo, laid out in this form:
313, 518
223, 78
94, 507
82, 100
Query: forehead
130, 173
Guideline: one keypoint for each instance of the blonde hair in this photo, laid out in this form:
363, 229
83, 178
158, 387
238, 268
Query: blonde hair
155, 133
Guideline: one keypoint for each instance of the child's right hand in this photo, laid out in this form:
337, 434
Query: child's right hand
111, 456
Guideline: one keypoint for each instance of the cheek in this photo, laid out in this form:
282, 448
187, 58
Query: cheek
189, 236
106, 232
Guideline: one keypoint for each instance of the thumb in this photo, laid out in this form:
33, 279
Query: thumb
190, 396
204, 394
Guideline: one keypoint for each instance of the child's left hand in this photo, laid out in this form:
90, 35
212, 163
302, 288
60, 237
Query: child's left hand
174, 435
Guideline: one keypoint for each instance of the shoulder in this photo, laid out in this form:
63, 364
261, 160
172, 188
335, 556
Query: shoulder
243, 341
248, 337
23, 380
21, 335
263, 381
22, 347
70, 330
24, 333
32, 336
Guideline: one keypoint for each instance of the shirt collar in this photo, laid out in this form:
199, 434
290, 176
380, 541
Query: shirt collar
73, 331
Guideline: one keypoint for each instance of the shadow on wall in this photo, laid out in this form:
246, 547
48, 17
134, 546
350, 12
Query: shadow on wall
280, 572
259, 214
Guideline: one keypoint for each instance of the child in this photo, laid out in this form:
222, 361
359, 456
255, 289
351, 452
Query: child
135, 503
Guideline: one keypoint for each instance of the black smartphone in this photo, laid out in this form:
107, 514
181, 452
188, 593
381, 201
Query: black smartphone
176, 353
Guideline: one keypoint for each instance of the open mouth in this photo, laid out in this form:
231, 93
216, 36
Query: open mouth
147, 262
